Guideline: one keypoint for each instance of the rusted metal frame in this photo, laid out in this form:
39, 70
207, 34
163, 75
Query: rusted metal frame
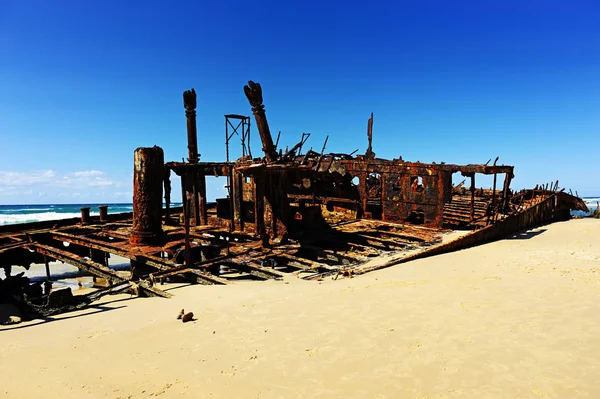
110, 290
242, 124
388, 244
189, 103
321, 199
472, 196
85, 215
483, 169
304, 264
334, 253
316, 167
47, 266
118, 236
237, 201
305, 137
91, 267
301, 267
399, 239
167, 188
415, 232
459, 201
217, 169
259, 208
362, 194
254, 269
203, 278
253, 92
184, 185
403, 237
353, 244
87, 242
441, 197
375, 243
526, 219
459, 185
179, 269
505, 199
11, 246
48, 225
201, 198
340, 225
209, 241
493, 206
149, 260
192, 196
242, 237
188, 252
350, 239
276, 205
297, 147
14, 238
246, 135
148, 180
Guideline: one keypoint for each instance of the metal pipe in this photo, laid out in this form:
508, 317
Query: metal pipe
103, 212
85, 215
189, 102
148, 174
253, 92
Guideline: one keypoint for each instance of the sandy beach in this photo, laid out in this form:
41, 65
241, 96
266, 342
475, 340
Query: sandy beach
518, 318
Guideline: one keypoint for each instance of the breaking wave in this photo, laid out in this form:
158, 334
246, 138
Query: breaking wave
591, 200
37, 217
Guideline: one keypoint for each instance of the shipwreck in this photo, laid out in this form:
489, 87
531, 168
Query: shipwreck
306, 214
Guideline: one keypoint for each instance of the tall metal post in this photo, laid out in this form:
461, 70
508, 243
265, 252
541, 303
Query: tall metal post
253, 92
472, 196
148, 173
189, 102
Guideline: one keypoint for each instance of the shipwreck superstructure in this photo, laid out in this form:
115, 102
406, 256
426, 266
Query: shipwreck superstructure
288, 212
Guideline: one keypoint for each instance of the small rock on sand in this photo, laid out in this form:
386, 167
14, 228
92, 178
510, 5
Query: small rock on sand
187, 317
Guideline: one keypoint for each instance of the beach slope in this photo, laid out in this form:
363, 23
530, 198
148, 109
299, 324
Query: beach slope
517, 318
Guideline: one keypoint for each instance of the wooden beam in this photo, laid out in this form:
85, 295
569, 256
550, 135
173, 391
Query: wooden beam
92, 267
153, 261
256, 269
311, 265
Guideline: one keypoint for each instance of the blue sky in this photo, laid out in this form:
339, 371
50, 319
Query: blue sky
84, 83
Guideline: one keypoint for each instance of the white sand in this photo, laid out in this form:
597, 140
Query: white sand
517, 318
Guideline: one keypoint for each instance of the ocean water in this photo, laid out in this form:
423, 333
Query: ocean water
63, 275
13, 214
592, 204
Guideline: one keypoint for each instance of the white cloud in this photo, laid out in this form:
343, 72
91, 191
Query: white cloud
8, 193
13, 179
86, 178
88, 173
79, 179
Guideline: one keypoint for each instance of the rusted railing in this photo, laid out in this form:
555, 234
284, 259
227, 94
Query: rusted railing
536, 215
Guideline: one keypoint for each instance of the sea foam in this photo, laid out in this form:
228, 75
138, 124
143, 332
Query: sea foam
38, 217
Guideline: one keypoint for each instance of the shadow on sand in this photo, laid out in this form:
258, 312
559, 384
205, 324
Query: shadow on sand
90, 310
525, 235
